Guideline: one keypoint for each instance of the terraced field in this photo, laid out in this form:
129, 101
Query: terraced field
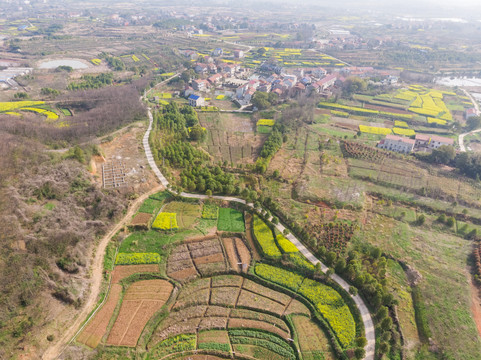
206, 295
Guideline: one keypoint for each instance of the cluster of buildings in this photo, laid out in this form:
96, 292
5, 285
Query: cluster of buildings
270, 78
421, 142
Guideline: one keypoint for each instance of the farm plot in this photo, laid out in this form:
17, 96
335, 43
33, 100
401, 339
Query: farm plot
312, 341
328, 301
210, 211
230, 220
141, 220
150, 206
141, 300
145, 242
237, 253
95, 330
123, 271
179, 343
191, 259
223, 309
391, 171
187, 213
214, 340
269, 343
265, 238
231, 138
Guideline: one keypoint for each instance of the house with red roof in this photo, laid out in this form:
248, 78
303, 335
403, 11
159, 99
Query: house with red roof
396, 143
432, 141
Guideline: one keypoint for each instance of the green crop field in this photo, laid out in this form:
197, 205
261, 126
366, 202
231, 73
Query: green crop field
230, 220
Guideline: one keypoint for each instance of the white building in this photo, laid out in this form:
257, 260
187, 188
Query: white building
432, 141
196, 100
397, 143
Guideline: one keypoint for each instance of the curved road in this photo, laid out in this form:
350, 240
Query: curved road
462, 148
365, 314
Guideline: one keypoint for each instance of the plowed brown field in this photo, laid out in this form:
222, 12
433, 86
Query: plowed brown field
140, 303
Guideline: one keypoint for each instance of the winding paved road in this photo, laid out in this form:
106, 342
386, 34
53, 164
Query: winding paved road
462, 148
365, 314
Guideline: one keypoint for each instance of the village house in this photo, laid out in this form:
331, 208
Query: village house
201, 68
200, 84
212, 68
238, 54
196, 100
328, 81
397, 143
217, 52
432, 141
192, 55
319, 72
470, 113
189, 90
215, 79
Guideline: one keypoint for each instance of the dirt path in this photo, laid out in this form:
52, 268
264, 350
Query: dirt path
96, 270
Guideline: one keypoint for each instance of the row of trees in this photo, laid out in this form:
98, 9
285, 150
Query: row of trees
270, 147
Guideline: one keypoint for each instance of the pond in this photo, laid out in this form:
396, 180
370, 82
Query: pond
53, 64
459, 81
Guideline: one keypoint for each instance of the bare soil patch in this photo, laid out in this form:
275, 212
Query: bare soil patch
141, 220
126, 147
244, 254
250, 239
